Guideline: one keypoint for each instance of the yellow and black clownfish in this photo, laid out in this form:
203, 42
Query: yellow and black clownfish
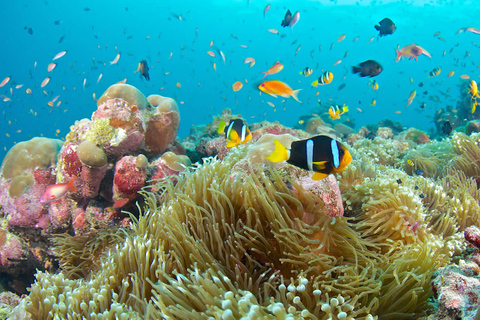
321, 154
435, 72
335, 112
325, 78
307, 71
236, 132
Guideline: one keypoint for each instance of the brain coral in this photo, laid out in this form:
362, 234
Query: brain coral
226, 248
38, 152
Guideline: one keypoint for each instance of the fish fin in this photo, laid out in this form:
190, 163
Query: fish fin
221, 126
320, 165
280, 153
266, 74
273, 94
315, 83
71, 186
231, 143
356, 69
319, 176
295, 93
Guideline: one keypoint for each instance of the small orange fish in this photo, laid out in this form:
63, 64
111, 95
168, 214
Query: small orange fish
465, 76
123, 81
371, 39
45, 82
341, 38
211, 53
451, 73
411, 97
237, 86
120, 203
28, 91
211, 44
99, 77
214, 66
179, 85
58, 55
51, 66
278, 88
18, 86
411, 51
54, 192
337, 62
114, 61
273, 31
4, 82
249, 60
276, 68
473, 30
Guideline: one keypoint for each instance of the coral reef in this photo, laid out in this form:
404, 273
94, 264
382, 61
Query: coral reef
233, 239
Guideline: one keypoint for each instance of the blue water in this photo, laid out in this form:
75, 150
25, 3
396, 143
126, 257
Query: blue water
152, 30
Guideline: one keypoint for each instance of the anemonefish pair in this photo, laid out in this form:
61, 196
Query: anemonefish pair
236, 132
325, 78
321, 154
307, 71
335, 111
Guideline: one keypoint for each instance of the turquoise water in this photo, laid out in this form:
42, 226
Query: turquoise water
174, 37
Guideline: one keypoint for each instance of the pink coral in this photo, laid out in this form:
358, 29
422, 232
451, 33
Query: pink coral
326, 189
128, 178
161, 130
92, 178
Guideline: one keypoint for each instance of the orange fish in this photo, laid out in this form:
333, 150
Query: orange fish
451, 73
411, 97
114, 61
411, 51
277, 88
58, 55
276, 68
45, 82
341, 38
473, 30
237, 86
211, 53
249, 60
465, 76
51, 66
54, 192
4, 82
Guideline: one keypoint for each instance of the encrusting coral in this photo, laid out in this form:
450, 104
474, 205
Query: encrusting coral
225, 245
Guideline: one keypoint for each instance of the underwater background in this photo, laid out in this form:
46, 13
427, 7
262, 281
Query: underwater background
174, 37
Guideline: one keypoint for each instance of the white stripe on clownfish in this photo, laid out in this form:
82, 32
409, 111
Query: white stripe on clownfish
335, 153
310, 154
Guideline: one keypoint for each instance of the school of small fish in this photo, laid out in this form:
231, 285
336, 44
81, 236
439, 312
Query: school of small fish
284, 76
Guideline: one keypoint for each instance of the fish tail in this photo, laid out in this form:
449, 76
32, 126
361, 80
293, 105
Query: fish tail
295, 93
356, 69
71, 186
399, 54
221, 126
279, 154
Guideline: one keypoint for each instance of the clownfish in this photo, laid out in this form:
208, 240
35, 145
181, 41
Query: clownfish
335, 111
236, 132
325, 78
435, 72
307, 71
321, 154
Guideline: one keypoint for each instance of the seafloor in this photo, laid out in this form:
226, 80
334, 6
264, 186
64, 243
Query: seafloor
153, 227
